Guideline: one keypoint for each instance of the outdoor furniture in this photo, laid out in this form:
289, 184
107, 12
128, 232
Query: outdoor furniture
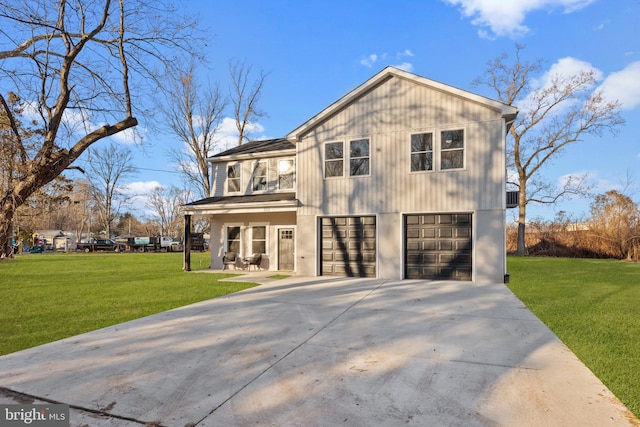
229, 258
254, 260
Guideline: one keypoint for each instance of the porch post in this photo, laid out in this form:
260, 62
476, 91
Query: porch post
187, 243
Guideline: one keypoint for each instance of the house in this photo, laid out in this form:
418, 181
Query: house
401, 178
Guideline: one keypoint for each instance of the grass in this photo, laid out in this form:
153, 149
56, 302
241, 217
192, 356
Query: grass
593, 306
47, 297
278, 276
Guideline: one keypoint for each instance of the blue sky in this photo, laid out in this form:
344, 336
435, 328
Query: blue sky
316, 51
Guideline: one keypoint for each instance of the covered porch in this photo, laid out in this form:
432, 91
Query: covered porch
243, 226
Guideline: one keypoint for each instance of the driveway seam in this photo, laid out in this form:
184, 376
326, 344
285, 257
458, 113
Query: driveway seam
305, 341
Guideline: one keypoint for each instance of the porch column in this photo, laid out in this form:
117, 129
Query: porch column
187, 243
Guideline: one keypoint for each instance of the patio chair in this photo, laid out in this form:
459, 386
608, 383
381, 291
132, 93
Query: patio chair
229, 258
254, 260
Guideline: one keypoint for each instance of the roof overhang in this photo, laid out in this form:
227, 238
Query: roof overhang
508, 112
260, 203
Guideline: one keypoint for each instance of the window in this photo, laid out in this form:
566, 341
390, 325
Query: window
422, 152
233, 239
359, 157
285, 174
452, 149
233, 178
333, 159
259, 177
259, 239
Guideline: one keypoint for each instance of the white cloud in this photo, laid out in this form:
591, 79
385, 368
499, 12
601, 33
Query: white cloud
404, 53
227, 134
564, 68
623, 86
140, 187
407, 66
138, 192
369, 60
506, 18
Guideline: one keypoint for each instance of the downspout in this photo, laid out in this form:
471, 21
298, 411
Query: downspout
187, 243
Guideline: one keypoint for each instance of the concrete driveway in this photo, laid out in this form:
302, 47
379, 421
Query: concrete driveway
322, 352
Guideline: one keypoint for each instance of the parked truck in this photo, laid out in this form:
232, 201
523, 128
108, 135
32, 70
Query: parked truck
149, 244
96, 245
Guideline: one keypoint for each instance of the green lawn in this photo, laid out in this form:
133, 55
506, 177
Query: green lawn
46, 297
593, 306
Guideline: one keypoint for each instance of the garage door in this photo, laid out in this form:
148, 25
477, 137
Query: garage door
349, 246
438, 246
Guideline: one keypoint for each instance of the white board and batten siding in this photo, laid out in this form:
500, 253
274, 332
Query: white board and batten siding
387, 115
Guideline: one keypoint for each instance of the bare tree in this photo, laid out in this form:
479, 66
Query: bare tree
108, 167
193, 115
166, 205
551, 118
245, 97
80, 67
615, 219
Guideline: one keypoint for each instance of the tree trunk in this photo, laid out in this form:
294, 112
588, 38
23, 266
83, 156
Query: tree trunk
6, 230
522, 219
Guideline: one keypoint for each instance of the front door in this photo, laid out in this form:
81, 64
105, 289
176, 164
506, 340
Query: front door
286, 246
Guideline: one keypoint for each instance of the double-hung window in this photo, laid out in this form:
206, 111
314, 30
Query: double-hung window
259, 176
452, 149
285, 174
333, 159
359, 157
233, 239
259, 239
422, 152
233, 178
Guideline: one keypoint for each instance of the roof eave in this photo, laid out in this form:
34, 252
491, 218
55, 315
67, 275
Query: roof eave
386, 73
235, 208
248, 156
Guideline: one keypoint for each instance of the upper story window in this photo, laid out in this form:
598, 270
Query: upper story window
233, 178
359, 157
286, 174
452, 149
333, 159
422, 152
259, 176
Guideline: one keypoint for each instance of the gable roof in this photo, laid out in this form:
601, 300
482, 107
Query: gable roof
508, 112
257, 147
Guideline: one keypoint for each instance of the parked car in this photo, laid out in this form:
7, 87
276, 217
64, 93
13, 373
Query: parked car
101, 245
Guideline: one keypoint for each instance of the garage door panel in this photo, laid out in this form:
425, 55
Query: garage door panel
353, 248
443, 248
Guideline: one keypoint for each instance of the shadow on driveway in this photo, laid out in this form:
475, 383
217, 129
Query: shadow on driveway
315, 352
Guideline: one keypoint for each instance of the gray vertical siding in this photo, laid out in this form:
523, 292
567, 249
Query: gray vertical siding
388, 115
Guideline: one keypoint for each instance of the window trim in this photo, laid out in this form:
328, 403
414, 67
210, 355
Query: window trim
266, 175
239, 178
266, 236
325, 160
463, 149
368, 157
293, 173
229, 225
433, 151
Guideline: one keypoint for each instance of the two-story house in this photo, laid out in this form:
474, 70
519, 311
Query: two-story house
401, 178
